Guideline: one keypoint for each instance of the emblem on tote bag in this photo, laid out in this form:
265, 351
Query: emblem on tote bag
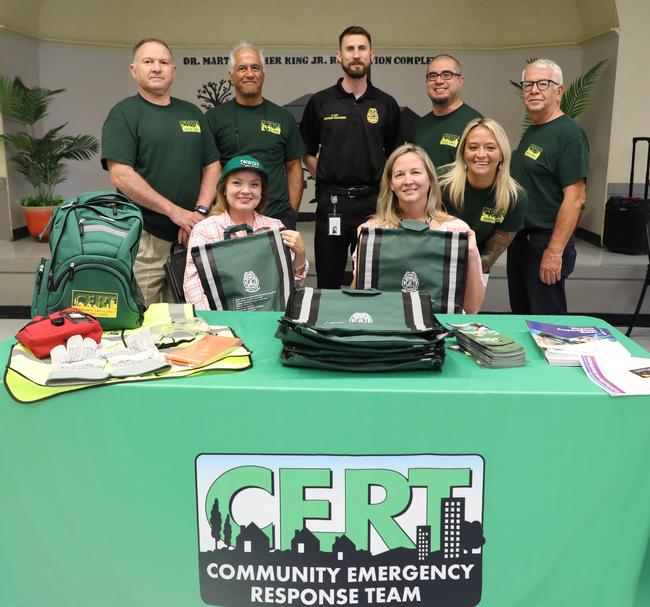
410, 282
361, 317
251, 282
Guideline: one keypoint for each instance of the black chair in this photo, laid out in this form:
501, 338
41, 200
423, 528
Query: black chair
175, 272
647, 277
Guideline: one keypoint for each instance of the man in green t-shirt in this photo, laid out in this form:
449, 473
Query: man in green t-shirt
252, 125
551, 163
159, 152
439, 131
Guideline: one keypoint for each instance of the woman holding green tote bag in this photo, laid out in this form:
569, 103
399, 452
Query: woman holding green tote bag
241, 198
409, 192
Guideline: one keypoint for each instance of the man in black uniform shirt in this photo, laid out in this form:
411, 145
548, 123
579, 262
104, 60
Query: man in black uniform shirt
349, 129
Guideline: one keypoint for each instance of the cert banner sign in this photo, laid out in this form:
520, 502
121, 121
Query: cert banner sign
320, 530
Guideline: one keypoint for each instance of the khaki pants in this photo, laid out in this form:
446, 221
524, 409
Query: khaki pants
148, 269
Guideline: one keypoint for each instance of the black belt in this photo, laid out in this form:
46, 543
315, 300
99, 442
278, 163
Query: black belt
353, 191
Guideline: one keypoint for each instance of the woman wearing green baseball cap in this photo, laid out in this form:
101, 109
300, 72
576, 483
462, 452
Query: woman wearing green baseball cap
241, 199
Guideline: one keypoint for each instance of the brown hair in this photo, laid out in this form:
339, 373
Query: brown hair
355, 30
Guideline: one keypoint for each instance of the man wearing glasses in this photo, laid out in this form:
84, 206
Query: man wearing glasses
551, 163
439, 131
254, 126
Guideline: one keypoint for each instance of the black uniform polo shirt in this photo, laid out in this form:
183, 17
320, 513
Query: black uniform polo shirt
354, 135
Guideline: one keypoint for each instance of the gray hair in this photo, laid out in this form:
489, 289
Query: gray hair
242, 45
546, 64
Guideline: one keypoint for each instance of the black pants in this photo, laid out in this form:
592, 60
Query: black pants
528, 294
331, 252
288, 217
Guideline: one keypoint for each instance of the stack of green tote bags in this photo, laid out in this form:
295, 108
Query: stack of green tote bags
361, 330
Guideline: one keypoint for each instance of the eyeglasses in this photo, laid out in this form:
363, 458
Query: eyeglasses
542, 85
446, 75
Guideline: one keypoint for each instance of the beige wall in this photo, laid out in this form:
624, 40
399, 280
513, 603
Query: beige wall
314, 24
630, 116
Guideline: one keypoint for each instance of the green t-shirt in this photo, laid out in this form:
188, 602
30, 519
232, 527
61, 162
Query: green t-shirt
549, 157
168, 145
480, 214
440, 135
266, 132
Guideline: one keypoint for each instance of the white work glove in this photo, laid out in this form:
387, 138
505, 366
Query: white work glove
76, 363
139, 357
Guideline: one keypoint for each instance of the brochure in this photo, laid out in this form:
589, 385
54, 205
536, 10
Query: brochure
618, 376
488, 347
563, 345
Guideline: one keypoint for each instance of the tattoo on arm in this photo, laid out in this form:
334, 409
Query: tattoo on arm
496, 244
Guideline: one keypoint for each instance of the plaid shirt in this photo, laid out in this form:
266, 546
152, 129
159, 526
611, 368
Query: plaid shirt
209, 230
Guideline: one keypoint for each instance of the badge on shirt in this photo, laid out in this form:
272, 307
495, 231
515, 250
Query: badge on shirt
489, 215
450, 139
533, 151
266, 126
372, 116
190, 126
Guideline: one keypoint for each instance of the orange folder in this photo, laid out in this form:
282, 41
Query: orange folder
205, 351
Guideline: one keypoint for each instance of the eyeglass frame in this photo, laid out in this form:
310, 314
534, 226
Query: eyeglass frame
433, 76
532, 84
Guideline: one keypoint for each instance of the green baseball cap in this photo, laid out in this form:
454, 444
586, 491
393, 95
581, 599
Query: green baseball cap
243, 163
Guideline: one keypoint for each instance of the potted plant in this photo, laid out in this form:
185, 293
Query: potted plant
41, 160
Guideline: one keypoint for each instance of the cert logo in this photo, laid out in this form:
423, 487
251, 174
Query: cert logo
322, 530
266, 126
251, 282
489, 215
96, 303
533, 152
450, 139
372, 116
190, 126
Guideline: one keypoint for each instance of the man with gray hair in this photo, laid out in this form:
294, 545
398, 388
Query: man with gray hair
551, 163
439, 131
254, 126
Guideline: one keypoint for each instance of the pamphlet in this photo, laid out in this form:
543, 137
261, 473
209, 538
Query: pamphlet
563, 345
488, 347
618, 376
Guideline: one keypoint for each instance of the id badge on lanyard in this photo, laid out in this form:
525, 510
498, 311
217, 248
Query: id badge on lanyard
334, 218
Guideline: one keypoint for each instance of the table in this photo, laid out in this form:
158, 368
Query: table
99, 503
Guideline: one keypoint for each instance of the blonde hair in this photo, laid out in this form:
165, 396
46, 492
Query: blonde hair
222, 206
388, 211
506, 189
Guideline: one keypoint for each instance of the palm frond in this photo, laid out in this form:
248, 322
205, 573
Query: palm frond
40, 159
576, 97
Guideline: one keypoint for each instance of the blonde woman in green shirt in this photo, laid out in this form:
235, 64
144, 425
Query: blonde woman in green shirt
479, 190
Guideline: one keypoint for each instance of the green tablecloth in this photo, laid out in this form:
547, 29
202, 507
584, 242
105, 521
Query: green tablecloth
98, 503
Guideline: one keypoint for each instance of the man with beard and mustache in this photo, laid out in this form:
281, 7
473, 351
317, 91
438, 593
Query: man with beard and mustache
349, 130
439, 132
251, 125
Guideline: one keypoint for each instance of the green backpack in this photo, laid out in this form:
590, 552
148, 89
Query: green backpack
93, 244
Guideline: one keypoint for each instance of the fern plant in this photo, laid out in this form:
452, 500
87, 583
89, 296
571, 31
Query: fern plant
576, 96
41, 160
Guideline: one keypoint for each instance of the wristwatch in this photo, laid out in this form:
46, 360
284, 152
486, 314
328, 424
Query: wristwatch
199, 208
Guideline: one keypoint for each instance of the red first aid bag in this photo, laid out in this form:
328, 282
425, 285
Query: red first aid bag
42, 333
